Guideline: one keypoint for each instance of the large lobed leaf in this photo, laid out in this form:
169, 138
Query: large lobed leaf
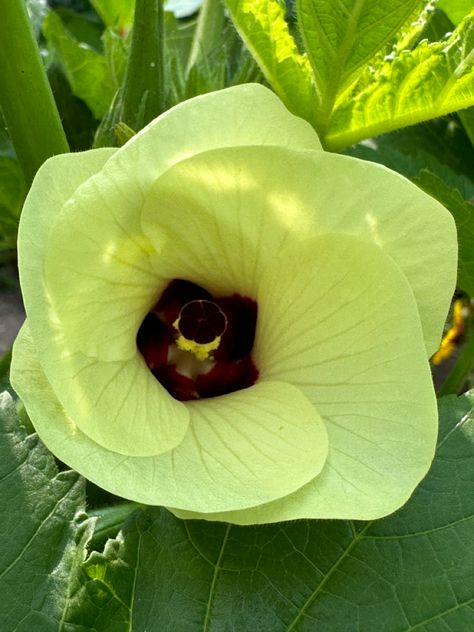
410, 571
345, 84
262, 26
341, 36
429, 81
42, 532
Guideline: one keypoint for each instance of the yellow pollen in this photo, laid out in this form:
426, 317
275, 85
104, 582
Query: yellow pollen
201, 351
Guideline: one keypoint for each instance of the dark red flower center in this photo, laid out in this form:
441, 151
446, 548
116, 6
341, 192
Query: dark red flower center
197, 345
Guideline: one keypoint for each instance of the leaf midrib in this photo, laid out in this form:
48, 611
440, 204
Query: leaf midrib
217, 567
327, 577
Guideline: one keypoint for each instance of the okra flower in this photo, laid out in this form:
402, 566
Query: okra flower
225, 320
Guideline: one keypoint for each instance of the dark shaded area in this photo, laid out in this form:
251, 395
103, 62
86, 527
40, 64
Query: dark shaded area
11, 317
78, 121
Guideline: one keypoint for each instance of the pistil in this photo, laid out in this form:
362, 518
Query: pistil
197, 345
200, 326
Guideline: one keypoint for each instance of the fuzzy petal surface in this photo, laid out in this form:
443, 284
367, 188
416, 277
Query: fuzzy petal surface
241, 450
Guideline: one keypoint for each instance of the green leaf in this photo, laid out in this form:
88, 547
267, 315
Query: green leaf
85, 27
444, 140
87, 70
455, 9
341, 37
430, 81
208, 32
436, 146
178, 39
42, 530
463, 213
116, 50
412, 570
414, 28
115, 13
262, 26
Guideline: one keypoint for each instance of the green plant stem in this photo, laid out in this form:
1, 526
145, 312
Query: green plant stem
208, 33
26, 99
143, 95
110, 519
460, 371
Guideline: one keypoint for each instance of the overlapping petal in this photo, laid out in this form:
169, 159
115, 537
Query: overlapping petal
237, 206
231, 192
103, 398
339, 321
241, 449
54, 183
100, 281
99, 263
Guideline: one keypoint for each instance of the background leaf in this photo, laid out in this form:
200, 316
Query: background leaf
262, 26
341, 37
85, 27
115, 13
430, 81
412, 570
116, 50
86, 69
456, 9
441, 146
463, 213
42, 532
